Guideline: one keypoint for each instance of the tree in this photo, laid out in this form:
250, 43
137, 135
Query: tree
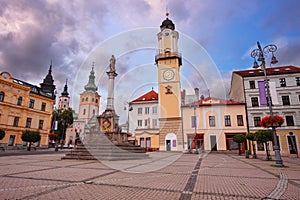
2, 134
63, 118
251, 137
30, 136
264, 136
240, 138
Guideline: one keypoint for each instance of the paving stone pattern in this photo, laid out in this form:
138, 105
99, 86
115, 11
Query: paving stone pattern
191, 176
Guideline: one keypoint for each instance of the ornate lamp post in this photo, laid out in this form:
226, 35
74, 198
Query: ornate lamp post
260, 52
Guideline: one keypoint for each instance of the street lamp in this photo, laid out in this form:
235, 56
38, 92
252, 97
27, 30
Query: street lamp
260, 54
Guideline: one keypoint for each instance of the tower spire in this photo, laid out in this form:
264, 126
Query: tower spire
65, 92
91, 86
48, 83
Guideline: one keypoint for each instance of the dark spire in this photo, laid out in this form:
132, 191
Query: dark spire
91, 84
48, 84
167, 23
65, 92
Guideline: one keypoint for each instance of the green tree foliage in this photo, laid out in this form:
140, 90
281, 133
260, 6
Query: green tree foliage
31, 137
2, 134
64, 119
264, 136
240, 138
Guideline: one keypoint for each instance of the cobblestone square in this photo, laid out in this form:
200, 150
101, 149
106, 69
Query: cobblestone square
191, 176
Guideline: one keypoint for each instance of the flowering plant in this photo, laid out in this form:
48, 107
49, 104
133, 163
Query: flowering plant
52, 136
269, 121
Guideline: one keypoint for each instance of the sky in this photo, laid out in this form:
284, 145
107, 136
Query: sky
216, 37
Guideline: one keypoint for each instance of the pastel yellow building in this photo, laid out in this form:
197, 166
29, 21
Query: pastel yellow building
210, 124
25, 107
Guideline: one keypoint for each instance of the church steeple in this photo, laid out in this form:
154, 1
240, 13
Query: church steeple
48, 83
91, 84
65, 92
64, 99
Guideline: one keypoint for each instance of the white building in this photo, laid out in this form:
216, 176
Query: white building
248, 86
143, 120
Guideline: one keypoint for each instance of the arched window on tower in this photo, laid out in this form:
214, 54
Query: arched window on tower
96, 100
86, 99
19, 101
83, 111
1, 96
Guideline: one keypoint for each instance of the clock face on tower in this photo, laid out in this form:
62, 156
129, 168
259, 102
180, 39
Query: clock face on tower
168, 74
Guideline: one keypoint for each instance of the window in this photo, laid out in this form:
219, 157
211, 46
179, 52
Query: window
227, 120
298, 81
285, 100
43, 107
31, 103
154, 110
289, 120
1, 96
282, 82
254, 101
256, 121
146, 122
93, 99
19, 103
211, 121
16, 121
154, 123
140, 123
28, 122
96, 101
87, 99
240, 121
252, 84
140, 111
193, 120
148, 142
268, 101
147, 110
94, 112
142, 142
41, 122
82, 100
84, 111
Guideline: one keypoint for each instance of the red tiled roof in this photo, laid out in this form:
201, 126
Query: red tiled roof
270, 71
215, 101
149, 96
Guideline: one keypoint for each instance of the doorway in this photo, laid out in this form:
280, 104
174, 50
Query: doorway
292, 144
168, 145
213, 143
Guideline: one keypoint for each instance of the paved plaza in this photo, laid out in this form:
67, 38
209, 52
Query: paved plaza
186, 176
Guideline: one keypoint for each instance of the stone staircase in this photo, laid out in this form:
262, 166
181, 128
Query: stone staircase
96, 146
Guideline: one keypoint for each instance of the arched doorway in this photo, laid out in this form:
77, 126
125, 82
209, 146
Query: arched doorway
171, 142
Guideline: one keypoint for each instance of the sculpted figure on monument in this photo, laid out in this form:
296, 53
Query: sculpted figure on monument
112, 64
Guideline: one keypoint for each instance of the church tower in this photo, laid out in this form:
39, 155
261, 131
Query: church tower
47, 85
168, 61
64, 99
89, 99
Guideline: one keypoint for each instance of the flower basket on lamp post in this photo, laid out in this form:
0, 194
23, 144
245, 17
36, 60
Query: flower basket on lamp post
274, 121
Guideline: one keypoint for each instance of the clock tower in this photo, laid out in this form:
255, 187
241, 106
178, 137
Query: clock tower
168, 61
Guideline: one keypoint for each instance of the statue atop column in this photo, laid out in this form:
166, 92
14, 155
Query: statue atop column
112, 64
